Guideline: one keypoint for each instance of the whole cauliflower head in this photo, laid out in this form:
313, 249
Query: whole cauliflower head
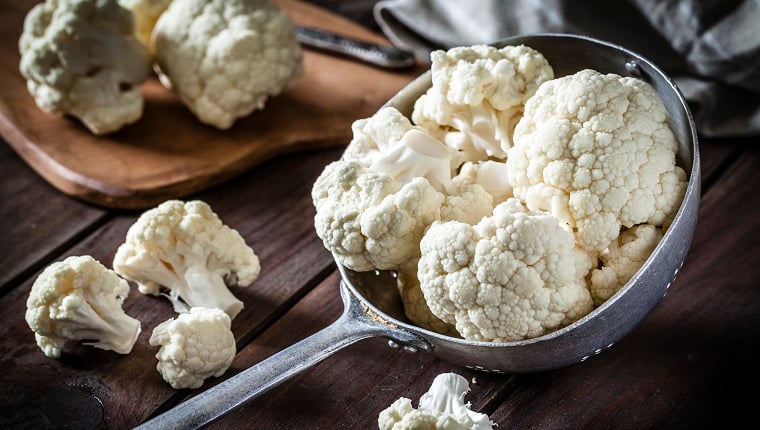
512, 276
597, 152
477, 96
81, 58
184, 247
79, 299
441, 407
225, 58
195, 346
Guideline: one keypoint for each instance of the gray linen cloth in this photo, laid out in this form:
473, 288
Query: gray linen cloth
711, 48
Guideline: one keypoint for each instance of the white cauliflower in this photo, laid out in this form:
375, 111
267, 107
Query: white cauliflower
477, 96
146, 13
622, 259
226, 58
79, 299
185, 248
395, 179
81, 58
369, 220
415, 306
512, 276
388, 143
195, 346
597, 152
441, 407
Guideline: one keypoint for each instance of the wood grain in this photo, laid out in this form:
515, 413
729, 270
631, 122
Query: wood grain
168, 153
274, 214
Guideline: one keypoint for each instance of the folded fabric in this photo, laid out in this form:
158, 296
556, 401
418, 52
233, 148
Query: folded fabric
711, 48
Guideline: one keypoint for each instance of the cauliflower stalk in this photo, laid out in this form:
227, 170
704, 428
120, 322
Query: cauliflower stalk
225, 58
441, 407
185, 248
81, 58
195, 346
79, 299
597, 152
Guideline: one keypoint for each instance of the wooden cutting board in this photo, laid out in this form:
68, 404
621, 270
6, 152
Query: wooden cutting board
168, 153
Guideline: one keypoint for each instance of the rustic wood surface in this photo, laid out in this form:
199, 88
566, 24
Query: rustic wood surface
690, 364
168, 153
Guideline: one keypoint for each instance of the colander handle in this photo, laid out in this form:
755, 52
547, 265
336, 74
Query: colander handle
353, 325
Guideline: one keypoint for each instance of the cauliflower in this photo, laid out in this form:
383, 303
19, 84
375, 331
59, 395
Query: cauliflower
477, 96
596, 151
441, 407
369, 220
623, 258
415, 306
146, 13
196, 345
81, 58
394, 181
512, 276
80, 299
184, 247
225, 58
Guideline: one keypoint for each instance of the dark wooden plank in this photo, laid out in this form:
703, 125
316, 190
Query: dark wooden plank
687, 364
348, 389
36, 220
271, 208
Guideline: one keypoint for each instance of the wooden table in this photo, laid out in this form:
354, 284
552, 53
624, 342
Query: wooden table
690, 364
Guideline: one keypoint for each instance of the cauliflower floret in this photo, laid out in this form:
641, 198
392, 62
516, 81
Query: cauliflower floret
184, 247
146, 13
596, 151
369, 220
394, 180
623, 258
81, 58
477, 96
195, 346
441, 407
415, 306
514, 275
388, 143
80, 299
226, 58
490, 174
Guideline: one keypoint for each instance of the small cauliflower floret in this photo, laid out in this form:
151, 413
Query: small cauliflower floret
621, 261
195, 346
184, 247
146, 13
441, 407
477, 96
226, 58
415, 307
512, 276
79, 299
81, 58
597, 152
369, 220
